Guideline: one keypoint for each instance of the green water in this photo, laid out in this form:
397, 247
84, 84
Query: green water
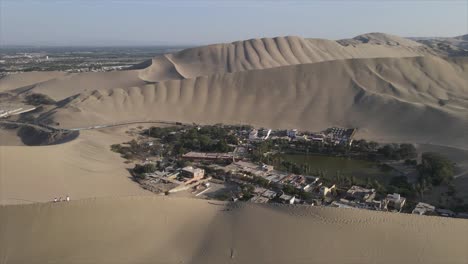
331, 165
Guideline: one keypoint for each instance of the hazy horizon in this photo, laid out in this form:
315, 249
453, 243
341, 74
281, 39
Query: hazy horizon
186, 23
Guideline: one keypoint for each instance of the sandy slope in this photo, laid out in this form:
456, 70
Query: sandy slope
389, 99
273, 52
9, 138
281, 82
82, 168
76, 83
27, 78
164, 230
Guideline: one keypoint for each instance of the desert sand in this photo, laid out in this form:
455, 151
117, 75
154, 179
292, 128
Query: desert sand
390, 99
392, 89
411, 95
177, 230
274, 52
26, 79
83, 168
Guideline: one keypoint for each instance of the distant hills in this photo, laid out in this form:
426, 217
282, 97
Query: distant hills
455, 46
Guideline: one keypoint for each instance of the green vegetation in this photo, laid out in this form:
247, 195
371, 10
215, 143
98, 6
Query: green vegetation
127, 152
398, 152
222, 196
436, 169
205, 139
301, 194
340, 170
364, 146
399, 184
140, 170
247, 192
134, 150
37, 99
411, 162
300, 147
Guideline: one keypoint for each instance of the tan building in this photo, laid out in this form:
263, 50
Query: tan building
423, 208
193, 174
361, 194
394, 202
324, 190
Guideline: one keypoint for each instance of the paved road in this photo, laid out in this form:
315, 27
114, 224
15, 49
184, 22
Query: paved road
41, 127
122, 124
48, 128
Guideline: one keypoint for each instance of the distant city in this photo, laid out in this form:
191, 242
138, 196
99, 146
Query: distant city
15, 59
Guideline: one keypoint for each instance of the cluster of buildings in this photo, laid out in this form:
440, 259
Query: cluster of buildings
208, 156
364, 198
175, 181
279, 185
427, 209
332, 135
355, 197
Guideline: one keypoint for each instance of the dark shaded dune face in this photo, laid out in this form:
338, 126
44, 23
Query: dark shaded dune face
32, 136
391, 98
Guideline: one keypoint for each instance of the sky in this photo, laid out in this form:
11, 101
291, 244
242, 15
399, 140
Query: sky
195, 22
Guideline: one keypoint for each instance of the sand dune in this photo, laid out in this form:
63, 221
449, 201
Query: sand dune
280, 82
274, 52
82, 168
176, 230
9, 138
76, 83
390, 99
26, 79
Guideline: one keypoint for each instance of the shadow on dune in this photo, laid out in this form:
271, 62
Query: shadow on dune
153, 229
31, 136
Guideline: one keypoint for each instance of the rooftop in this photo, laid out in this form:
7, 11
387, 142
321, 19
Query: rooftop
396, 197
422, 208
259, 199
286, 197
207, 155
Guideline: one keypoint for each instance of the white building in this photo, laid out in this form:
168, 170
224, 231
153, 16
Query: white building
423, 208
192, 172
287, 198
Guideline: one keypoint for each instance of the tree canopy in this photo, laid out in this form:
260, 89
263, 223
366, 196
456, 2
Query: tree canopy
398, 152
436, 168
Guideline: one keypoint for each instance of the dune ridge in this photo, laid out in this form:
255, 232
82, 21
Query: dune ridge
391, 98
151, 229
274, 52
390, 88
